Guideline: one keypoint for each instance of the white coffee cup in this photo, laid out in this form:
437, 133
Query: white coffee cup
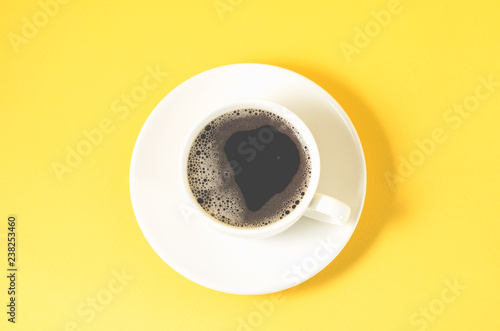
313, 205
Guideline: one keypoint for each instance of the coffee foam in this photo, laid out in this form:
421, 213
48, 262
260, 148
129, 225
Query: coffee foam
211, 177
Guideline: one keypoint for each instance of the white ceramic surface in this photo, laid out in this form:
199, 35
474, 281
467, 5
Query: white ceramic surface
322, 207
214, 259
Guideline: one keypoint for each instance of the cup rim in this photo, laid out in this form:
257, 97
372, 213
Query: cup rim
305, 133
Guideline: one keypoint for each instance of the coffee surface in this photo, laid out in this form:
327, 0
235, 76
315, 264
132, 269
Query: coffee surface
248, 168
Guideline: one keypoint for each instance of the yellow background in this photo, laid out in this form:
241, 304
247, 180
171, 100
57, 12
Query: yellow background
440, 224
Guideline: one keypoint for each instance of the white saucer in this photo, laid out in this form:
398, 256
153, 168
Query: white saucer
216, 260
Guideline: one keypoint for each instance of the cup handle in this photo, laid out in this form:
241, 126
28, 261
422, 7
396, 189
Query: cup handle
327, 209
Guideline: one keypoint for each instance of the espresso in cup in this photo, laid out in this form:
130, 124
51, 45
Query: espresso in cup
248, 168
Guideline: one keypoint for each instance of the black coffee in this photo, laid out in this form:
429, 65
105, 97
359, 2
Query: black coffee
249, 168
